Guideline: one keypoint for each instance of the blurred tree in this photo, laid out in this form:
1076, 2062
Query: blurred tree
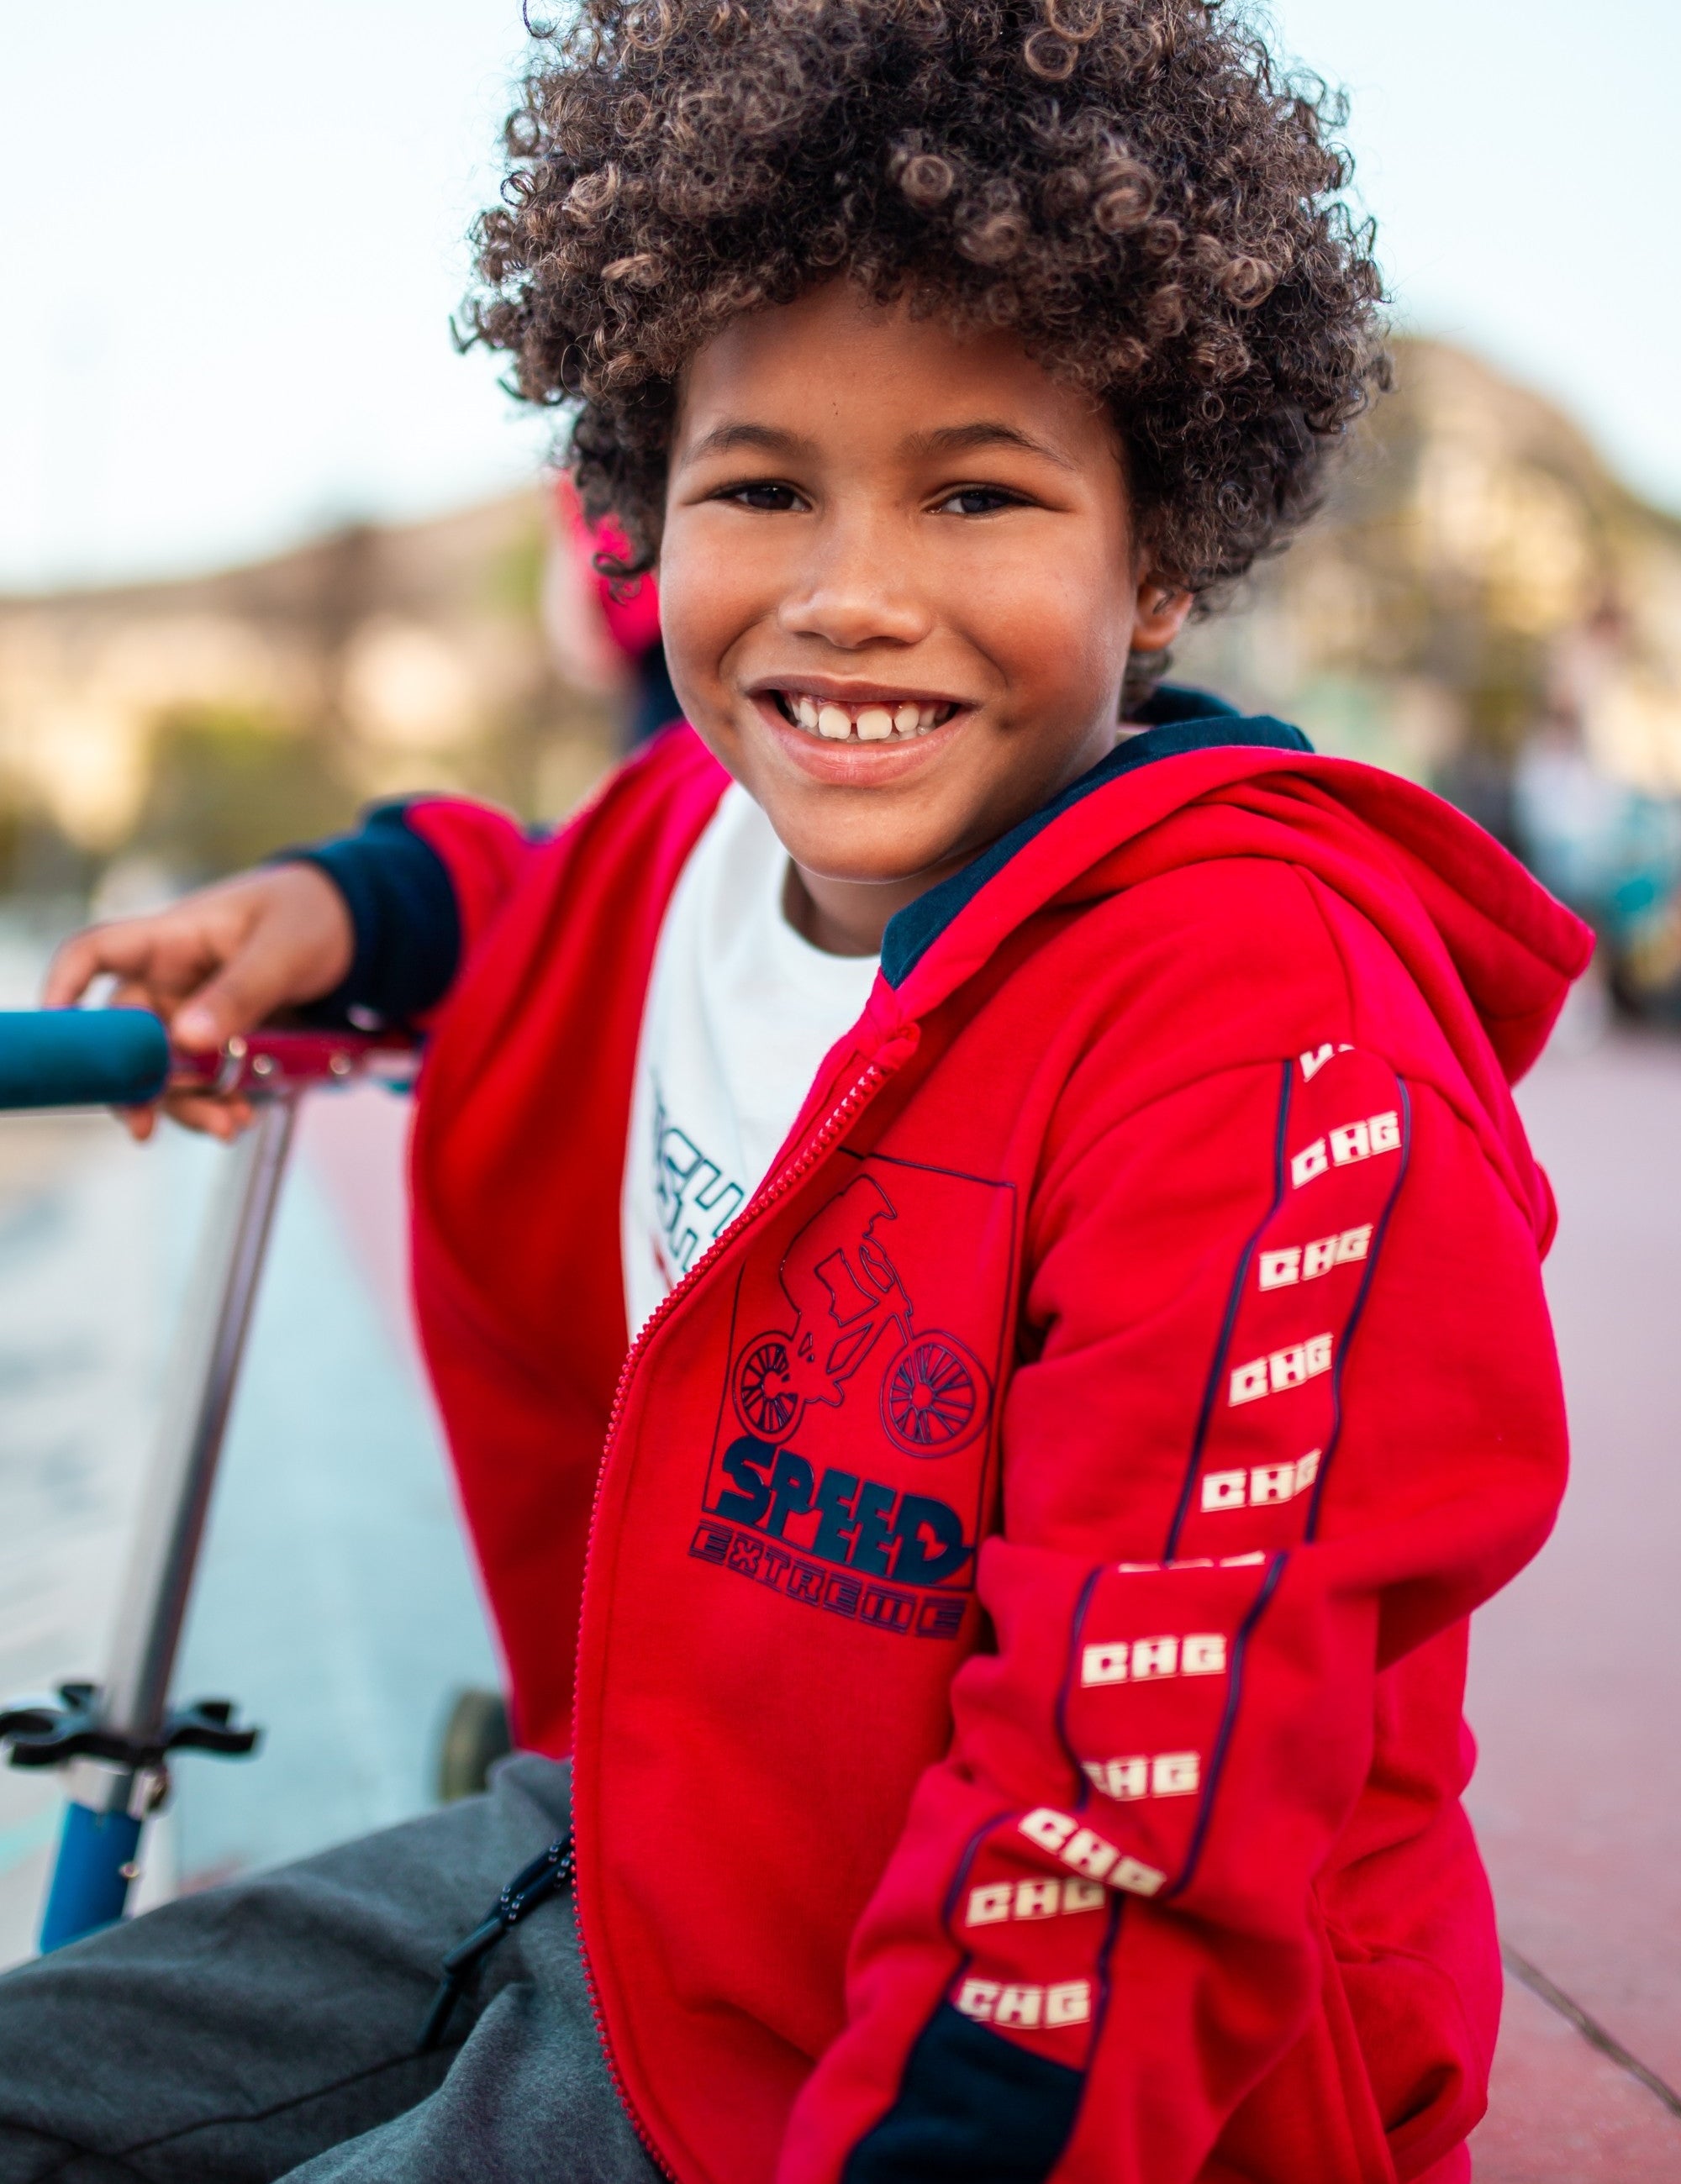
230, 786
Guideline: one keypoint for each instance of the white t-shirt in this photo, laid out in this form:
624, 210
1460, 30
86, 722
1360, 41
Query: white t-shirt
740, 1010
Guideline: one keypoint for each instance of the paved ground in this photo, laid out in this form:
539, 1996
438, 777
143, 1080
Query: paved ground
1576, 1669
338, 1604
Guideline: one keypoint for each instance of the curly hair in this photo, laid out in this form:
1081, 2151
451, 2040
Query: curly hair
1133, 187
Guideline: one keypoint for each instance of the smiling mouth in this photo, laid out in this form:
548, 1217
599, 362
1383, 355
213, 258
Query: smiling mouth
869, 721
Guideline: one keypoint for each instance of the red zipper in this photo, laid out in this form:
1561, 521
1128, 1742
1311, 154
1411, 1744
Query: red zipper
821, 1142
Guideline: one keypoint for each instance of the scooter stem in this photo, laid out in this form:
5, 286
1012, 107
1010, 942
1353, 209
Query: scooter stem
109, 1798
198, 1394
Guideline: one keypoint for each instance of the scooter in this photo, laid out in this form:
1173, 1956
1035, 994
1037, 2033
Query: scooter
113, 1741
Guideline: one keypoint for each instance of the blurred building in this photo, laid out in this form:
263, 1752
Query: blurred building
1478, 578
202, 722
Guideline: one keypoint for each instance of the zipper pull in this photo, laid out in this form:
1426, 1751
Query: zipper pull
527, 1889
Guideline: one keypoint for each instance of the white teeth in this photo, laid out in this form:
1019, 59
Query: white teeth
873, 723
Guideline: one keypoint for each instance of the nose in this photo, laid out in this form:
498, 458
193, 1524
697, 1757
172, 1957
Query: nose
855, 586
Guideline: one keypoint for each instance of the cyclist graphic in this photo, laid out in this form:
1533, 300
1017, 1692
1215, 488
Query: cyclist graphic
846, 1290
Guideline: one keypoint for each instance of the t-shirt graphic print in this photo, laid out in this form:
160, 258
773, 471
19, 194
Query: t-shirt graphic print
741, 1009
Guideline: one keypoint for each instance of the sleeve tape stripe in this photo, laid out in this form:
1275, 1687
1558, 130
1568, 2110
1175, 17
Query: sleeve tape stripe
1217, 1369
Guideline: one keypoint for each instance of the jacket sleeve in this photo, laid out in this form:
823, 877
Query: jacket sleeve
421, 880
1290, 1409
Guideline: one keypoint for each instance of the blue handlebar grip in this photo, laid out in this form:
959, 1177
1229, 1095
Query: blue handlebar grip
81, 1057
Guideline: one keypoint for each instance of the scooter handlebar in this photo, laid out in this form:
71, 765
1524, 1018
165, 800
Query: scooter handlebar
81, 1057
123, 1058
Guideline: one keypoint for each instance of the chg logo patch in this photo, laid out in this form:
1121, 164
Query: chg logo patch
849, 1464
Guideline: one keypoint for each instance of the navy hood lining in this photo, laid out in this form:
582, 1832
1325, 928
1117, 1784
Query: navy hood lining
1178, 721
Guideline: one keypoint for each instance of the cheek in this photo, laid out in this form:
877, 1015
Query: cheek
711, 595
1051, 621
688, 608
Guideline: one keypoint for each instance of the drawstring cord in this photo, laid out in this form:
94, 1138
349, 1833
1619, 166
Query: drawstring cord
523, 1894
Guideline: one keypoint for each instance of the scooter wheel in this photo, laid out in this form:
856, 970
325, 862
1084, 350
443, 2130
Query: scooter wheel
476, 1735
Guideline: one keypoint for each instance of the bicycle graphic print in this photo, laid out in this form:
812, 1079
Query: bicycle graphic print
847, 1292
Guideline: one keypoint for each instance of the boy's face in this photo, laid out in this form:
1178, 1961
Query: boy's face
899, 583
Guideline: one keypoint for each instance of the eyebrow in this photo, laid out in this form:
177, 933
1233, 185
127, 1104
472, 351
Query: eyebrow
948, 439
765, 439
985, 432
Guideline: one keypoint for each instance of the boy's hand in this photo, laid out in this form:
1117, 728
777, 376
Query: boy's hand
214, 964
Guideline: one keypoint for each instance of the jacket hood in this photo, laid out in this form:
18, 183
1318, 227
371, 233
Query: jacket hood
1492, 952
1461, 912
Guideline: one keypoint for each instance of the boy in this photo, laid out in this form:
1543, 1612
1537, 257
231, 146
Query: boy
1081, 1259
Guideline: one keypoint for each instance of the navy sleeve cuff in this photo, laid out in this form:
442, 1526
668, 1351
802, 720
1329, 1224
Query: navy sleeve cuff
403, 912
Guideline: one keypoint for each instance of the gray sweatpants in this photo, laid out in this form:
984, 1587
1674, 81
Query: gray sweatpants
267, 2029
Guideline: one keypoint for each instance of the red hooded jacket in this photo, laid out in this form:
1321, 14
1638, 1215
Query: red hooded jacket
1013, 1646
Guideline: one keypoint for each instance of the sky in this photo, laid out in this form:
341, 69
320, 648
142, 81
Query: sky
232, 237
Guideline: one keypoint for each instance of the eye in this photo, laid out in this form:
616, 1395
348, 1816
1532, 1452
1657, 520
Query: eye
764, 494
978, 500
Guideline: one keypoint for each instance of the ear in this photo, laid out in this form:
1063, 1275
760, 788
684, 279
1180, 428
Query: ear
1158, 613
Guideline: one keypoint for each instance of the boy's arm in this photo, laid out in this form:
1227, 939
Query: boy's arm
1296, 1411
421, 880
370, 927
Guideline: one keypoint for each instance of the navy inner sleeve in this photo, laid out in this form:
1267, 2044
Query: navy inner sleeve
403, 912
1178, 719
973, 2109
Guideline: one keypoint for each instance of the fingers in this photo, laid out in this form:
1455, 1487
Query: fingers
294, 944
131, 994
209, 1112
194, 956
240, 994
219, 1118
126, 949
212, 966
223, 1119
